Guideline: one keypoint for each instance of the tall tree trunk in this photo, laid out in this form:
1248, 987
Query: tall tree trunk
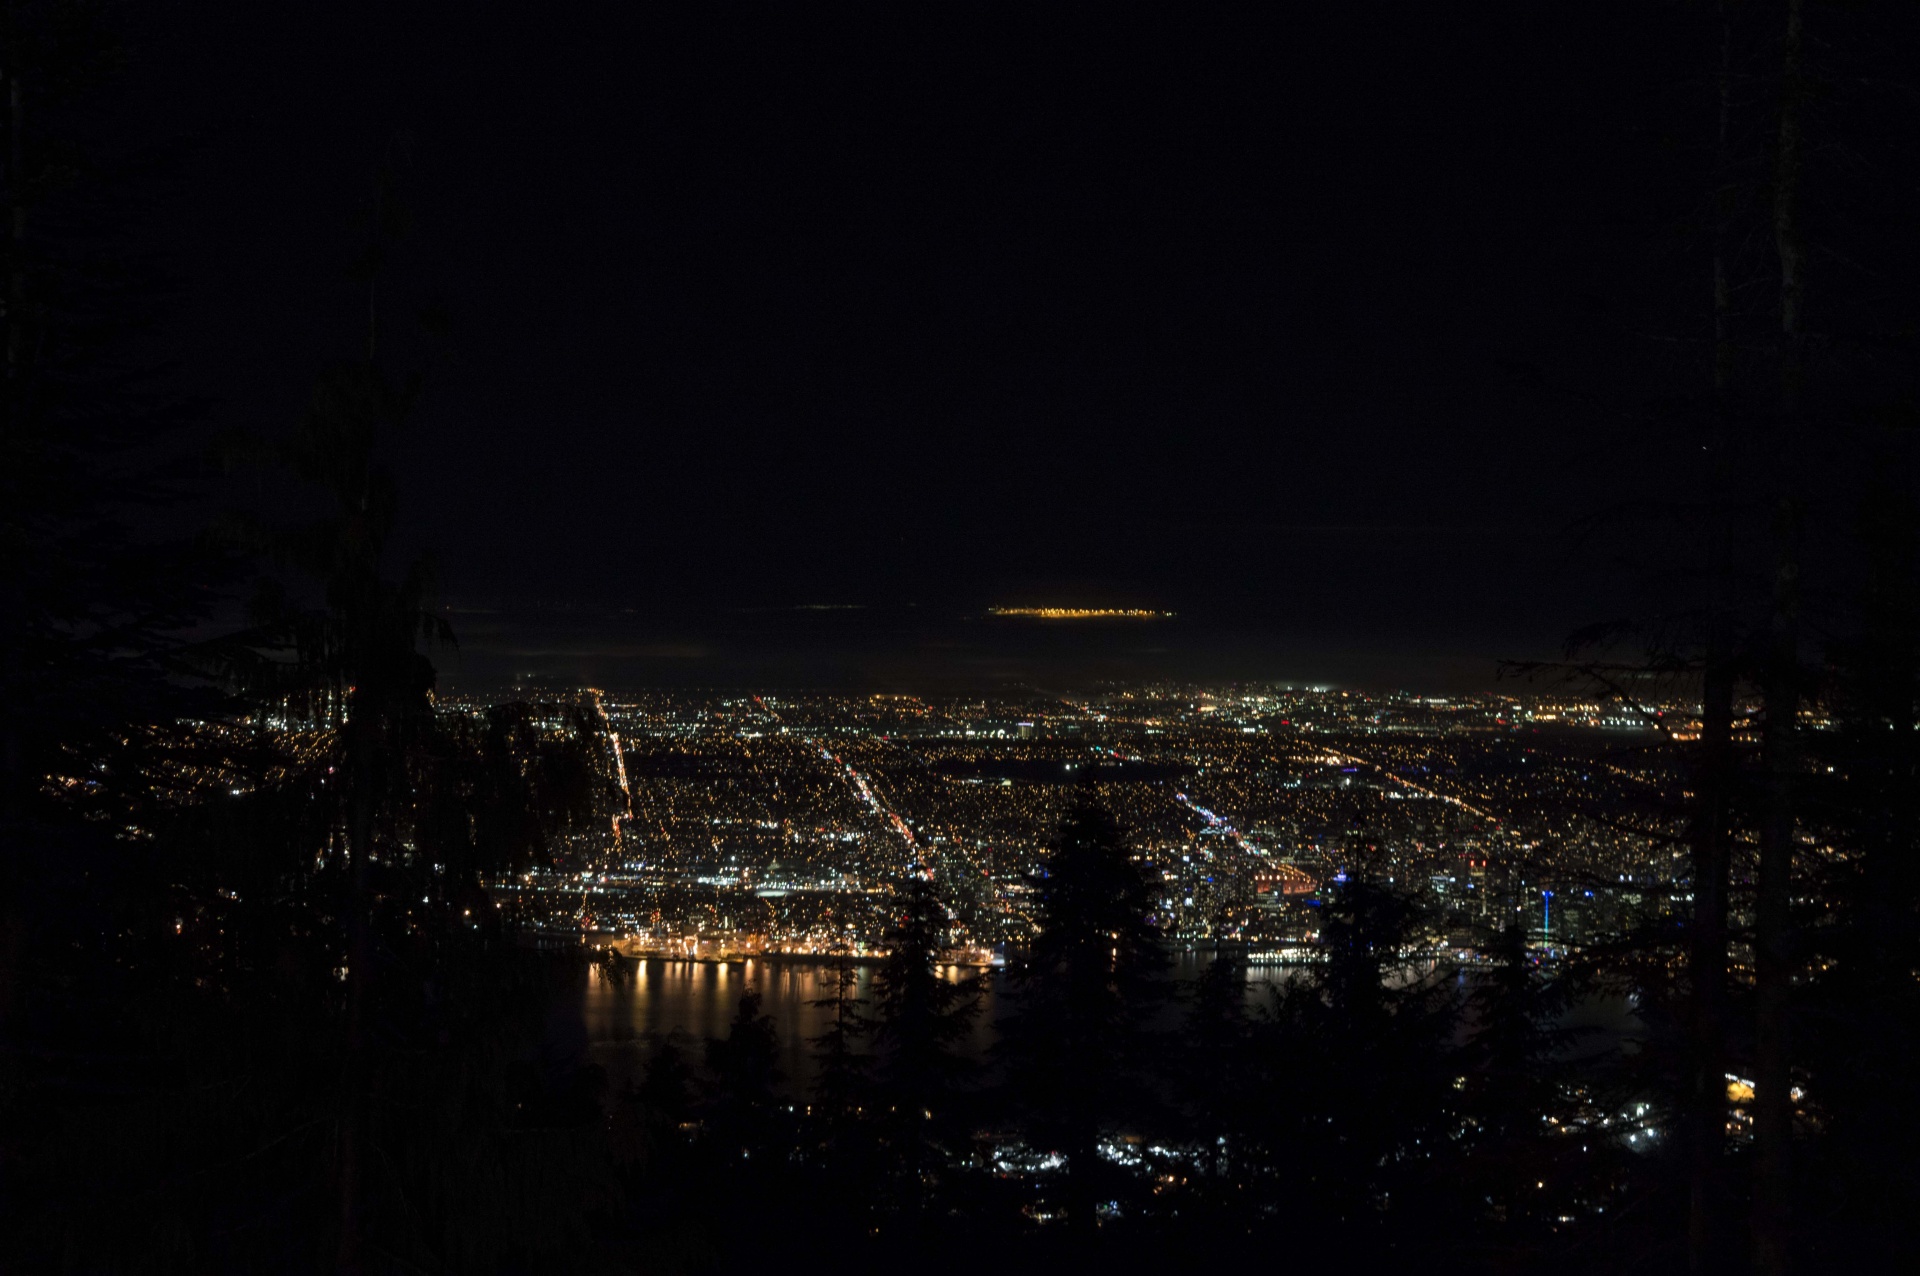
1707, 961
1082, 1152
1773, 1071
1773, 1117
354, 1130
1888, 643
14, 782
16, 224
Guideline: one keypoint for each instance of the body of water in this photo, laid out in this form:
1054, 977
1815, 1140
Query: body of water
948, 649
624, 1007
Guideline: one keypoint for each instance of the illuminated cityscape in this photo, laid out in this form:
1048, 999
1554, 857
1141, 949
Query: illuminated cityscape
780, 824
959, 638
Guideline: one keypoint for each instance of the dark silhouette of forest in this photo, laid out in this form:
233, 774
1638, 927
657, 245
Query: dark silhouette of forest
259, 1012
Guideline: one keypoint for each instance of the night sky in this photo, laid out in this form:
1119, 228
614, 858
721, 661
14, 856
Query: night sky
1315, 331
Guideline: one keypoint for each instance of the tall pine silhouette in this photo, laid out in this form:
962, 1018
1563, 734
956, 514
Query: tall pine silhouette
921, 1023
1077, 1046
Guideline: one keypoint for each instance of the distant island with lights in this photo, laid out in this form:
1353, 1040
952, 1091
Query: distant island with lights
1081, 613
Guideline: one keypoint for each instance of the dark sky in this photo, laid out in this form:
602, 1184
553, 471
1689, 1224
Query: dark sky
1215, 310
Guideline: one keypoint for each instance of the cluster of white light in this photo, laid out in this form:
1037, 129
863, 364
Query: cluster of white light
1080, 613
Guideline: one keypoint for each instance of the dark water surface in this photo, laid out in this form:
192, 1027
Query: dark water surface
940, 649
621, 1011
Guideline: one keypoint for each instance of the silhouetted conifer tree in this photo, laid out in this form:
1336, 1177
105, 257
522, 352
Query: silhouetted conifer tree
421, 808
840, 1086
745, 1065
666, 1090
1217, 1079
1862, 1006
1360, 1049
1520, 1165
1077, 1047
921, 1021
93, 596
361, 650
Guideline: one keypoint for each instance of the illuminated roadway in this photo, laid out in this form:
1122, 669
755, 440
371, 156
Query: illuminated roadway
1409, 784
863, 790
